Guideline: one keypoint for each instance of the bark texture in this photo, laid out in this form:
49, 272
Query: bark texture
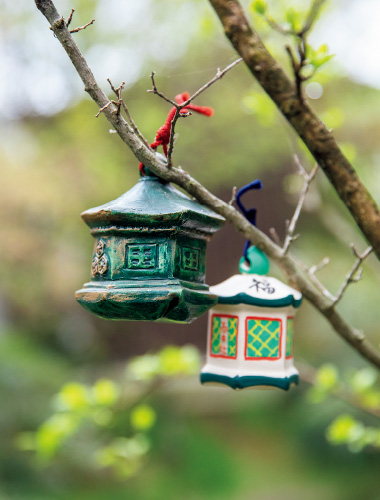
320, 141
295, 275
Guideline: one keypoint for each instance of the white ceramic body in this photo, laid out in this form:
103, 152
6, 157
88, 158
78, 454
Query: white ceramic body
254, 372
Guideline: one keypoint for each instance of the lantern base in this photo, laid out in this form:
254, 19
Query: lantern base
156, 300
244, 382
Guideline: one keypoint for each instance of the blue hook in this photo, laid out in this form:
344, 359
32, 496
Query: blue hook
249, 214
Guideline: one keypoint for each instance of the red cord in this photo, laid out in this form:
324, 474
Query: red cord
163, 133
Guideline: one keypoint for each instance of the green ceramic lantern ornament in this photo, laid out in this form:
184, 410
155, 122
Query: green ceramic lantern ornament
149, 255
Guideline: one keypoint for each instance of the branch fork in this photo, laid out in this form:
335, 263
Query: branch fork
295, 272
70, 18
291, 226
355, 274
154, 90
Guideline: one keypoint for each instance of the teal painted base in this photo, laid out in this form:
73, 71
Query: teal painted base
153, 300
249, 381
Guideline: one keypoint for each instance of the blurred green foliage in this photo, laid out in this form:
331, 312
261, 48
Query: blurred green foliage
152, 423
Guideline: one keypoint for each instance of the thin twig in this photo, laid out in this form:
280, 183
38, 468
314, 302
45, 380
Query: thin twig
355, 274
312, 16
274, 235
171, 137
126, 110
310, 20
219, 74
233, 196
80, 28
117, 103
309, 375
301, 62
277, 27
105, 107
318, 139
154, 90
288, 264
308, 178
311, 274
70, 17
317, 267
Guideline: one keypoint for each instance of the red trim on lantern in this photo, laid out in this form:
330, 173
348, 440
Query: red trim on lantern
211, 332
248, 358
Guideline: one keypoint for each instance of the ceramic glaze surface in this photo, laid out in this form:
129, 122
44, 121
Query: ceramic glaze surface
149, 257
250, 334
254, 289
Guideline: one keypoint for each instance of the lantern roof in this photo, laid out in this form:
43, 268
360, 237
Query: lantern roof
256, 290
154, 203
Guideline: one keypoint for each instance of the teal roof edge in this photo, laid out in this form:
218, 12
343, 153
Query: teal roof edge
243, 298
249, 381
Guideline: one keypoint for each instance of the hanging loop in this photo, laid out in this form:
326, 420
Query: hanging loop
253, 260
249, 214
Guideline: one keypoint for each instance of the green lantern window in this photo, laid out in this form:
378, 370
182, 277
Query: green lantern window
141, 256
224, 336
149, 259
289, 337
263, 338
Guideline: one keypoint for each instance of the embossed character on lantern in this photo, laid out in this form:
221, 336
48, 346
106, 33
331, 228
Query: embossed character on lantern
250, 333
149, 260
149, 257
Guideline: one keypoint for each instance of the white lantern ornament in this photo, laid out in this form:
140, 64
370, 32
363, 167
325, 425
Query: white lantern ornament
251, 329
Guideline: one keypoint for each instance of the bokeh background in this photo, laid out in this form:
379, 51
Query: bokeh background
75, 423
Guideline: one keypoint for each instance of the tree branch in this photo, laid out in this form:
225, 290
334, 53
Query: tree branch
154, 90
309, 375
126, 110
308, 178
288, 265
312, 16
179, 107
80, 28
311, 272
355, 273
318, 139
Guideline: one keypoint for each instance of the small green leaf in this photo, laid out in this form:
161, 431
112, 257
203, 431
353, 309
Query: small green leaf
73, 396
191, 359
143, 417
53, 432
105, 392
363, 379
370, 398
294, 19
123, 455
170, 360
318, 57
259, 6
341, 429
144, 367
327, 377
102, 417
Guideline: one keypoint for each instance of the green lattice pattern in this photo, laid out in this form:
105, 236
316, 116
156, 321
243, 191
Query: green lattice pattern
289, 337
218, 330
263, 339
